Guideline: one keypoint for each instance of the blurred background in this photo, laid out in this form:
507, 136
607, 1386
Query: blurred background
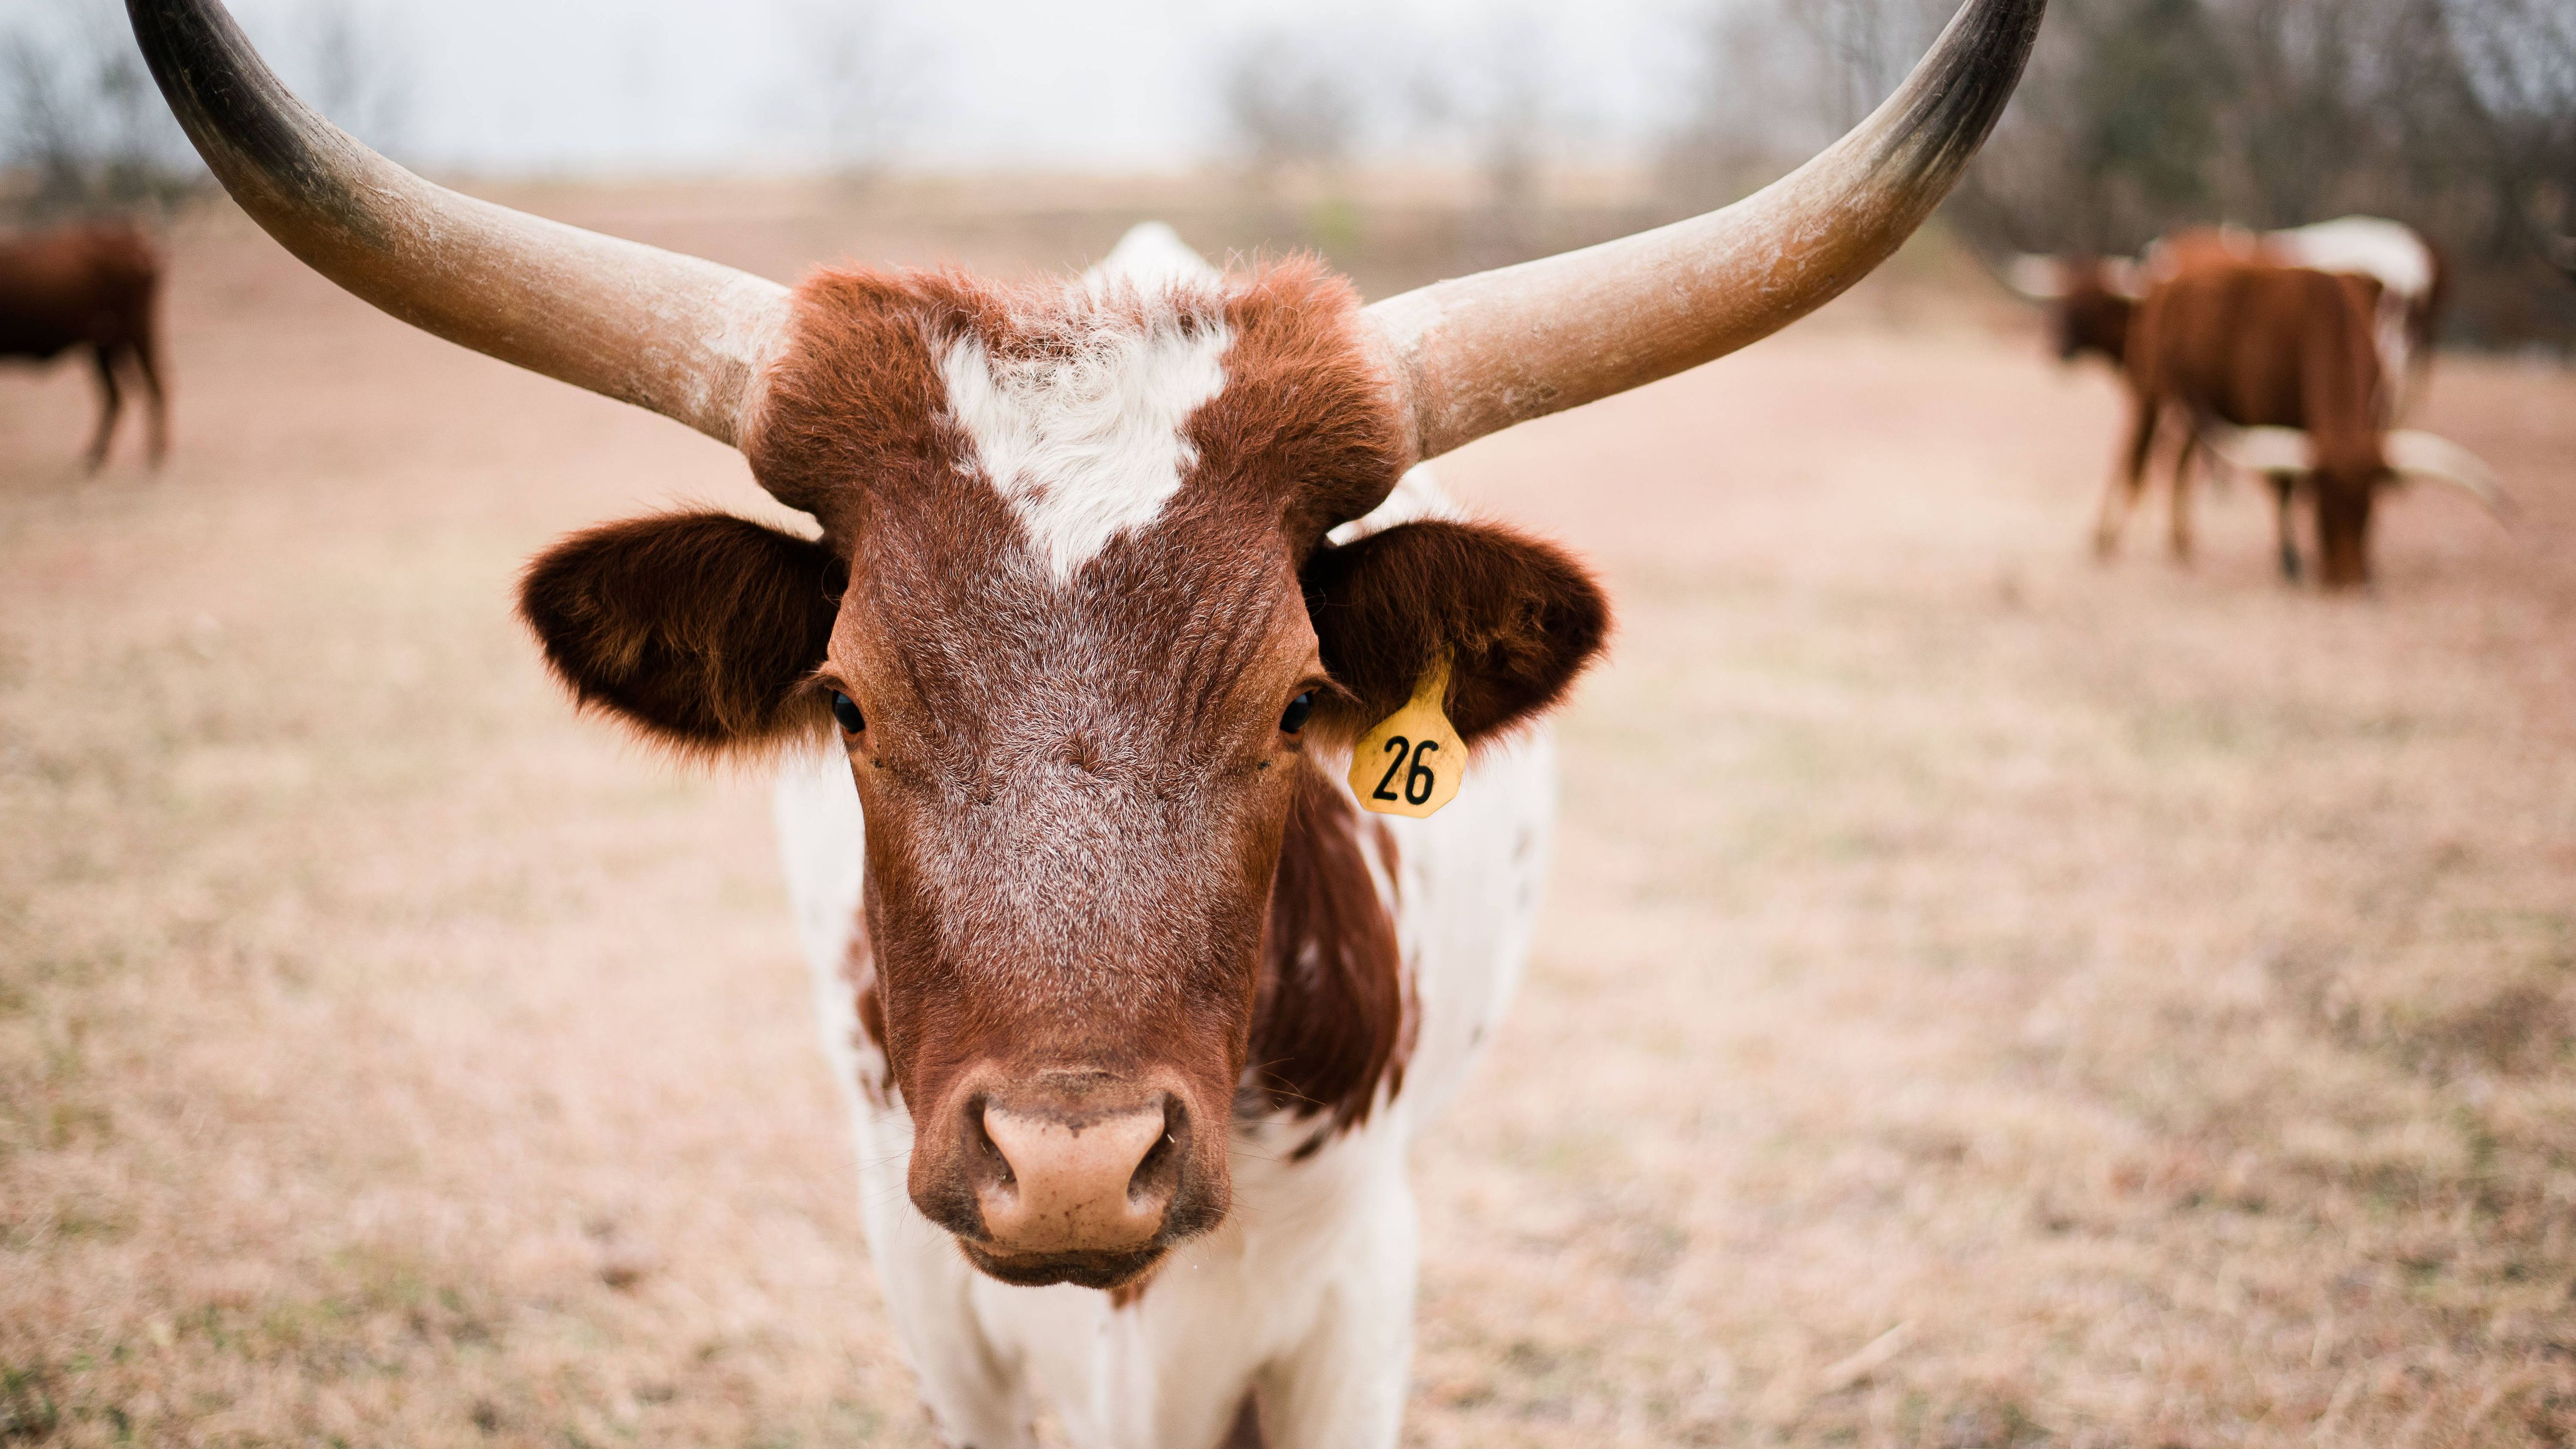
1993, 996
1546, 124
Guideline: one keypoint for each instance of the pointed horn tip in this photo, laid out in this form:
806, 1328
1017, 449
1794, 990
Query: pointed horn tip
1477, 354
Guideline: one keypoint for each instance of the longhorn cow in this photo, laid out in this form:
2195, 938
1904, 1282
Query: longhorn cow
2283, 372
2258, 331
94, 288
2094, 299
1135, 1010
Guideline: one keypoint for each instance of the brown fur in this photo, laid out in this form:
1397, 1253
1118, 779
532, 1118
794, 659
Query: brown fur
2090, 318
95, 287
701, 629
1330, 1025
2263, 346
1518, 619
2233, 347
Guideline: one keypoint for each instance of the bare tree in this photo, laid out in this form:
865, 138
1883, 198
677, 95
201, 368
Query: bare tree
1750, 113
2139, 117
864, 88
1497, 93
81, 121
1293, 100
1868, 46
359, 75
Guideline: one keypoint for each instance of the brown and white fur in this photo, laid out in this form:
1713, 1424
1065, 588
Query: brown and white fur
1302, 1298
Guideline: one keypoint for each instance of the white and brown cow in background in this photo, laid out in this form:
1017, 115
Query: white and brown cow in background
2093, 300
1137, 1011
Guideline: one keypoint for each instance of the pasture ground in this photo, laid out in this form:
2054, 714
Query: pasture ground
1989, 999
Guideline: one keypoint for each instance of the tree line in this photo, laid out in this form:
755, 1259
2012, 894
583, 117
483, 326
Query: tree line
2141, 117
2138, 117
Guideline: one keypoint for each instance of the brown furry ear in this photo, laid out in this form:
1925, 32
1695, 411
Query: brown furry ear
1519, 619
697, 628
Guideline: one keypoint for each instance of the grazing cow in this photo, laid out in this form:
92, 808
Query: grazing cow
2093, 299
2297, 356
2094, 305
1136, 1010
94, 287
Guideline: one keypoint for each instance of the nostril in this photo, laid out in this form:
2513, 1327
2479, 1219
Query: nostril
990, 1164
1158, 1176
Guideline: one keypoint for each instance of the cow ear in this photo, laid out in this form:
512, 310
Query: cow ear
1517, 618
699, 629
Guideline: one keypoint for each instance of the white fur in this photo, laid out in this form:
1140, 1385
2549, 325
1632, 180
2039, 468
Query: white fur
1089, 446
2365, 247
1152, 254
1306, 1292
2392, 253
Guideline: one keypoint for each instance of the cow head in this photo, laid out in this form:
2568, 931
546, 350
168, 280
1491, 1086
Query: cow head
2091, 302
1074, 620
1073, 611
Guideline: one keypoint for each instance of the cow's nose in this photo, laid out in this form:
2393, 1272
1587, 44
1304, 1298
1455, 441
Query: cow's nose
1071, 1184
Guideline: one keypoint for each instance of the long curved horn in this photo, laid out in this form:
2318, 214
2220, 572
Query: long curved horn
1478, 354
2410, 454
2428, 455
687, 338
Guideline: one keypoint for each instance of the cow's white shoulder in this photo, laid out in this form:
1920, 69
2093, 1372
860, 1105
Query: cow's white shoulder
2364, 246
1152, 254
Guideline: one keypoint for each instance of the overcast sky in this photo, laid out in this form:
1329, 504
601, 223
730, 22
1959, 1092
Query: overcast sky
660, 85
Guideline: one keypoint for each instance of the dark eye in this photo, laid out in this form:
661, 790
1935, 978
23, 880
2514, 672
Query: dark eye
1295, 717
846, 710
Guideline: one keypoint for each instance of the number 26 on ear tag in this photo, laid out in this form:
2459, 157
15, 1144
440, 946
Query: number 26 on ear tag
1413, 762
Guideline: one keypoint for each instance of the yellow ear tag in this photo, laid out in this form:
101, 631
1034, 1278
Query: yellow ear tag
1413, 762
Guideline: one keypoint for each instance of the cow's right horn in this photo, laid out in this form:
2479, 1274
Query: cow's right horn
2409, 454
2431, 456
687, 338
1475, 355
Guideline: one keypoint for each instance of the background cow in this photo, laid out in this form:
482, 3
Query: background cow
94, 287
2300, 354
2096, 305
1136, 1014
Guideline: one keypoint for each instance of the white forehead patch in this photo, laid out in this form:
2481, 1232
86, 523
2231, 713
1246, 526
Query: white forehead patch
1152, 252
1083, 437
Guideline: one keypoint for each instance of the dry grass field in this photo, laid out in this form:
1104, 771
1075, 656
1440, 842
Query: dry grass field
1990, 998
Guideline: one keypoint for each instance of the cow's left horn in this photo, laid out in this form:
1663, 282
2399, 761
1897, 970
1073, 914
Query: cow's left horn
1478, 354
2429, 455
2409, 454
684, 337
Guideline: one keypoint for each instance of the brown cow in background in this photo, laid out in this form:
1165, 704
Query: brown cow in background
2285, 372
94, 287
2296, 332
